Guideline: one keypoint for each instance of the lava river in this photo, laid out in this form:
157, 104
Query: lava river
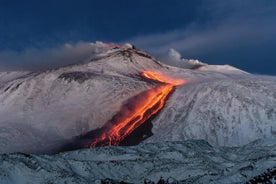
137, 110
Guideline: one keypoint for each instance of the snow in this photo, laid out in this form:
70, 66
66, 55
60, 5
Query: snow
228, 112
187, 162
11, 75
221, 68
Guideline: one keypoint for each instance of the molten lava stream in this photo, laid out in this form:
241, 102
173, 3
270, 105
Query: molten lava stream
138, 110
157, 76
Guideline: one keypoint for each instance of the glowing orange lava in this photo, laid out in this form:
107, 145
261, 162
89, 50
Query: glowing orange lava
155, 75
143, 107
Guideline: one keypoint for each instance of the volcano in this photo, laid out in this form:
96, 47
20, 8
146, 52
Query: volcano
111, 95
200, 124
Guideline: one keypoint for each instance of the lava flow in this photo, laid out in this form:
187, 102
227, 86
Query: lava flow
138, 110
157, 76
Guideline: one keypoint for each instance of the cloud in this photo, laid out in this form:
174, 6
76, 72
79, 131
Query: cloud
193, 40
46, 58
242, 28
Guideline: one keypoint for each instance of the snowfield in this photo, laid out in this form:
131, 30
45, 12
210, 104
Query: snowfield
186, 162
226, 112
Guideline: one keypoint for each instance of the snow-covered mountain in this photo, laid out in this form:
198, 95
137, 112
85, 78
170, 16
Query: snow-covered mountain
43, 111
185, 162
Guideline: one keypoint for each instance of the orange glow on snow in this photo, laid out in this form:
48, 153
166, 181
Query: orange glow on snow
146, 105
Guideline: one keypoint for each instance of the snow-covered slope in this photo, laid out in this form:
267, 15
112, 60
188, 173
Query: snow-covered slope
227, 112
42, 111
9, 76
186, 162
222, 68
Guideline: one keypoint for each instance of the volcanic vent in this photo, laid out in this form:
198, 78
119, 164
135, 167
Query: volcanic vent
137, 110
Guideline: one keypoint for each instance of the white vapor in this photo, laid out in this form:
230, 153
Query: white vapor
174, 58
39, 59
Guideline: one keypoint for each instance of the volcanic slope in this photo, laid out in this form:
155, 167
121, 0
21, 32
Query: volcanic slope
225, 112
42, 111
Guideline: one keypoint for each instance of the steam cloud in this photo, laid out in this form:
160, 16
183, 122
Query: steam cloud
174, 58
38, 59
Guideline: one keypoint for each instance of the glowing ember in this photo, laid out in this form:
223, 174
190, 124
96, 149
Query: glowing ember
146, 104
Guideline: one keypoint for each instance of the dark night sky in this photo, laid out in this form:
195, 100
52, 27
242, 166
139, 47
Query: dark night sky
241, 33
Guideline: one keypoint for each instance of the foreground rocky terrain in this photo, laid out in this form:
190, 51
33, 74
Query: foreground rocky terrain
186, 162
